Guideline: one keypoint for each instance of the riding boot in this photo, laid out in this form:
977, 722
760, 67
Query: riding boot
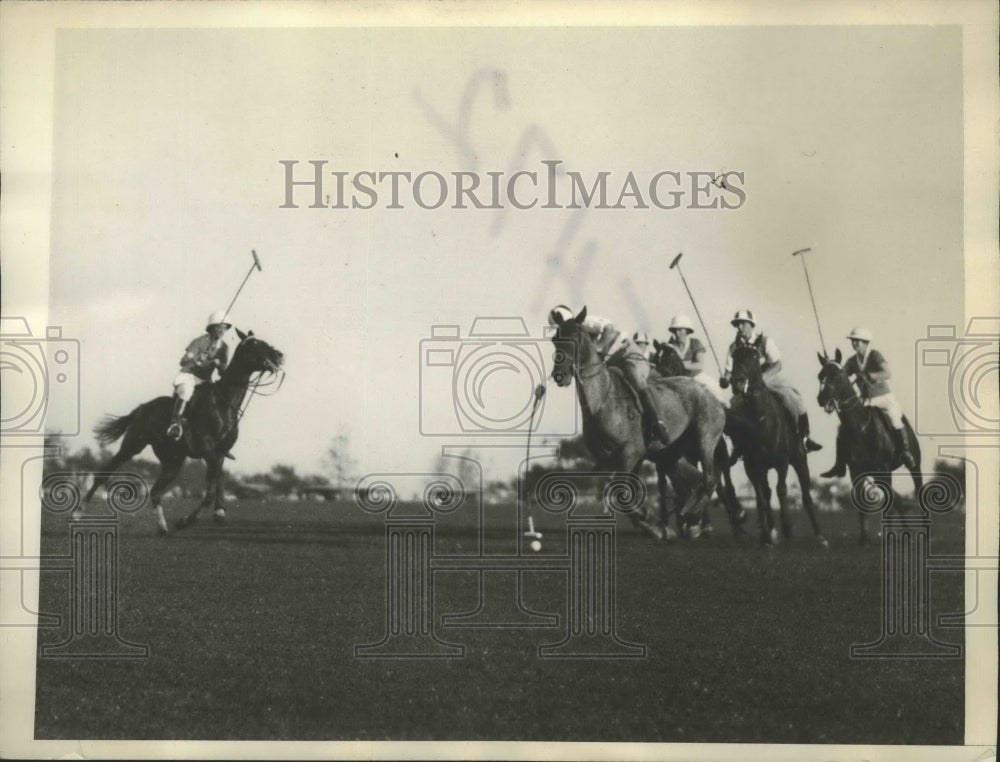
649, 414
175, 430
840, 465
902, 449
810, 445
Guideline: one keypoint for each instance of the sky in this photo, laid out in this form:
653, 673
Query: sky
167, 146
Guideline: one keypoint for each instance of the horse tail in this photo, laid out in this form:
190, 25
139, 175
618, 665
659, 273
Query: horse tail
113, 428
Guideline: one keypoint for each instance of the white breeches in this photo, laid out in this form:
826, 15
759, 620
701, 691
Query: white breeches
184, 385
890, 405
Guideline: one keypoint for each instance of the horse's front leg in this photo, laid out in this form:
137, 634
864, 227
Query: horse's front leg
782, 490
665, 506
863, 537
213, 467
219, 513
762, 492
801, 466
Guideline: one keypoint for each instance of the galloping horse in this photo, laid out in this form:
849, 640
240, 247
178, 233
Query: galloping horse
666, 362
767, 436
864, 439
612, 423
211, 430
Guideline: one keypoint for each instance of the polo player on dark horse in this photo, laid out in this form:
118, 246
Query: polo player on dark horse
211, 426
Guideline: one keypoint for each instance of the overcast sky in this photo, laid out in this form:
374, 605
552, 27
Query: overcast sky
166, 167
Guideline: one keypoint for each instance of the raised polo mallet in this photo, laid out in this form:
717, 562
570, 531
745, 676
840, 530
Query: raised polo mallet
676, 264
254, 266
801, 253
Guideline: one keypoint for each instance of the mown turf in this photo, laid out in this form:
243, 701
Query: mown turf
252, 628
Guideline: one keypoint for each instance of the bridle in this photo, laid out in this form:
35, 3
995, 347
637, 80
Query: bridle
587, 372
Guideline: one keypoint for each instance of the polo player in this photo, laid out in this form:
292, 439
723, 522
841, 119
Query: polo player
692, 353
747, 334
870, 372
203, 356
618, 351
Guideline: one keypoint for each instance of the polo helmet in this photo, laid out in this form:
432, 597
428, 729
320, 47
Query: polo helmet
218, 317
681, 322
860, 333
559, 314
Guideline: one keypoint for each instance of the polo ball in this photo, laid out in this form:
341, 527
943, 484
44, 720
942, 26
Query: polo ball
536, 545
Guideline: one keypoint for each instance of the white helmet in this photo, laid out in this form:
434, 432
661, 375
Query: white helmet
559, 314
681, 321
218, 318
743, 316
640, 337
861, 334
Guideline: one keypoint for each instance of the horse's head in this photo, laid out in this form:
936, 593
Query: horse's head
666, 361
746, 375
572, 346
835, 389
255, 355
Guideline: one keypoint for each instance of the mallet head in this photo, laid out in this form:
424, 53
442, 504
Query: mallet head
800, 251
676, 260
256, 260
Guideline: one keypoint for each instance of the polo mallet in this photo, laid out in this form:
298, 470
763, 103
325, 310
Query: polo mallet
802, 252
254, 266
535, 537
676, 264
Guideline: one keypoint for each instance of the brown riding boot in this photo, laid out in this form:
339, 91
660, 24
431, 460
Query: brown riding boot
175, 431
807, 441
649, 414
902, 448
840, 462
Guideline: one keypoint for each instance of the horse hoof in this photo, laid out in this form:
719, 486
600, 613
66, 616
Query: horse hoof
184, 522
162, 528
707, 530
823, 542
669, 534
694, 531
774, 536
219, 516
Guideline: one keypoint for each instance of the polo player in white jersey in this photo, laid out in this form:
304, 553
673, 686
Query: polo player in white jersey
203, 356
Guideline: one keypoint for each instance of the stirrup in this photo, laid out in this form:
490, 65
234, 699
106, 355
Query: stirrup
174, 431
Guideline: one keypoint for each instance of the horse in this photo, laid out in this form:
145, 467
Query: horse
210, 432
765, 432
612, 420
864, 437
667, 362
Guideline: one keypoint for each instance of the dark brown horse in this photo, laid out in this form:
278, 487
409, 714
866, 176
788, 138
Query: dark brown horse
766, 434
210, 431
864, 438
612, 422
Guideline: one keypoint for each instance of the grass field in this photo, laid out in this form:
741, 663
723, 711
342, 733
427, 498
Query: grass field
252, 627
